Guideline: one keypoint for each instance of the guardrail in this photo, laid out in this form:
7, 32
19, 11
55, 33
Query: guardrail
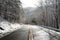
55, 29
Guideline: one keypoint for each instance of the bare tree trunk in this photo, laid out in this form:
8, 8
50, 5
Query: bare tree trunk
57, 16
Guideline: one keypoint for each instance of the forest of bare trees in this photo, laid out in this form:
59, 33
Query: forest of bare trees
50, 12
10, 10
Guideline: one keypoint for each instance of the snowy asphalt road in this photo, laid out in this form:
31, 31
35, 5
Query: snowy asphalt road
38, 33
22, 34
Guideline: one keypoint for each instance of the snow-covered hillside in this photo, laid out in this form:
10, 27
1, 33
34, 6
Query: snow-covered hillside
7, 27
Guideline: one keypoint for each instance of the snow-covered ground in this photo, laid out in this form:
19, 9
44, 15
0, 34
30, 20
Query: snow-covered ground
46, 34
8, 27
39, 32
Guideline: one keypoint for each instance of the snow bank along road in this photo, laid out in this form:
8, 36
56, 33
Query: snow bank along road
21, 32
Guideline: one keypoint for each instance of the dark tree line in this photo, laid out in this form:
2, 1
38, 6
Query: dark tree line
10, 10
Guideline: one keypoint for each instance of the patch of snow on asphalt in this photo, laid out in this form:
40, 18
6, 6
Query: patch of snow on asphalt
41, 35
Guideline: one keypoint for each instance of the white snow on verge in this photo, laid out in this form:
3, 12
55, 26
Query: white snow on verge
8, 27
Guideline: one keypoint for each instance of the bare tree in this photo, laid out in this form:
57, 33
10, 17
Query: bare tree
10, 9
51, 13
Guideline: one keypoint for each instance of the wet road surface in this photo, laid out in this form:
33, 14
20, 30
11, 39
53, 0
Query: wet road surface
19, 34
